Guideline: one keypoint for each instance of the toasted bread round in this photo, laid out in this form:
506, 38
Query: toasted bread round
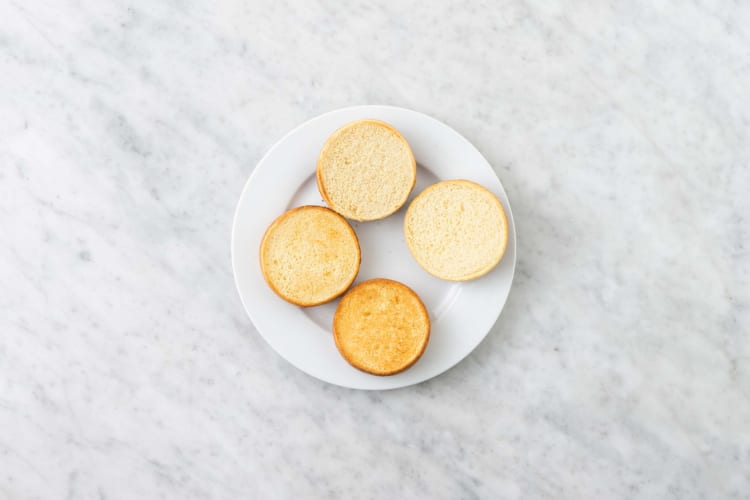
310, 255
381, 327
366, 170
456, 230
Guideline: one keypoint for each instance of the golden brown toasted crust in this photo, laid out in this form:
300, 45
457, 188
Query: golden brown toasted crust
328, 144
381, 327
446, 184
340, 235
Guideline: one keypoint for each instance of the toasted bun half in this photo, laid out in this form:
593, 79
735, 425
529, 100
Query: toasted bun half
309, 255
381, 327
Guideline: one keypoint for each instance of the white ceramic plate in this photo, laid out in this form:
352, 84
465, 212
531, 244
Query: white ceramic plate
461, 313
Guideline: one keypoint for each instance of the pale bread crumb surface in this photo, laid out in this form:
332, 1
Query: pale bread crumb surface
381, 326
456, 230
310, 255
366, 170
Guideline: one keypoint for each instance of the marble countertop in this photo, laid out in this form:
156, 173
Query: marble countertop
620, 367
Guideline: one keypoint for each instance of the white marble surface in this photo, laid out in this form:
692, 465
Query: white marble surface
620, 367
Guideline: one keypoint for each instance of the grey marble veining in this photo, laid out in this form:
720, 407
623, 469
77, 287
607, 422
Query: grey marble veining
620, 367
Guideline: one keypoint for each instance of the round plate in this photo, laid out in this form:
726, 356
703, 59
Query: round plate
461, 313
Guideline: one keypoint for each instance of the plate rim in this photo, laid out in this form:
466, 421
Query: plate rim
363, 107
